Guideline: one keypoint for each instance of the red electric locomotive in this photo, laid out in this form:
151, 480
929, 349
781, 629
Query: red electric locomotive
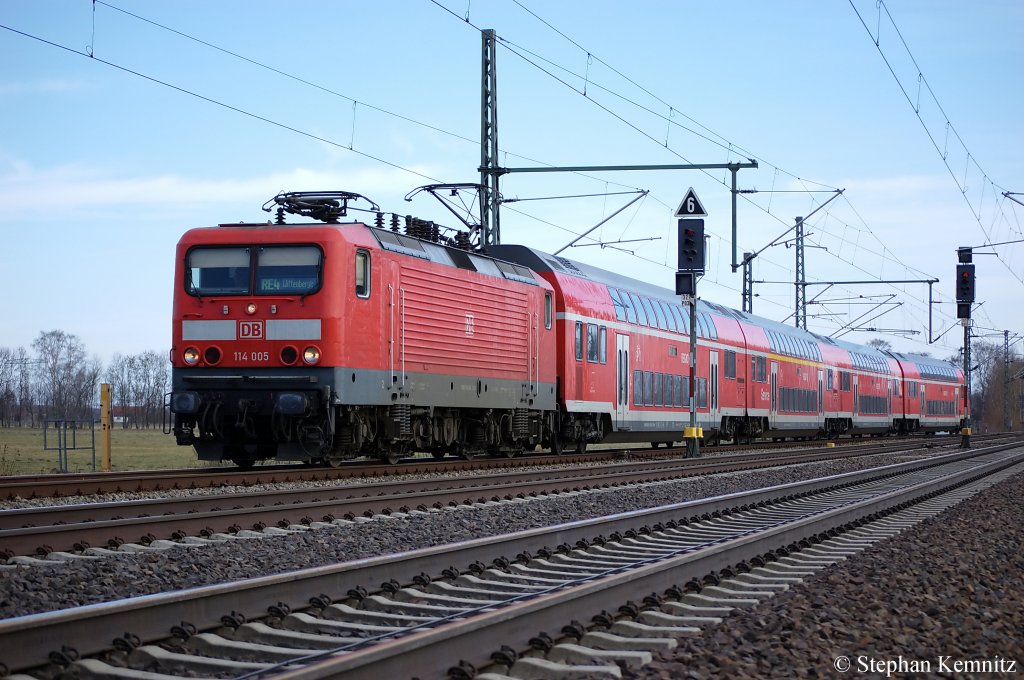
322, 342
325, 342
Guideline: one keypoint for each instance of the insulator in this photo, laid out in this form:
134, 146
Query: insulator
394, 222
378, 220
280, 215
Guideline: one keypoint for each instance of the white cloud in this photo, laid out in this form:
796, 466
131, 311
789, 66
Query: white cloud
28, 192
44, 86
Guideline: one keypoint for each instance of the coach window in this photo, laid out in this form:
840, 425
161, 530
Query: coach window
641, 315
652, 319
730, 363
603, 345
627, 306
593, 353
670, 321
638, 388
684, 319
658, 312
548, 309
829, 379
362, 274
579, 341
620, 309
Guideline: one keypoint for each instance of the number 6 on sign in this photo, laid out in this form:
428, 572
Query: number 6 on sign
690, 206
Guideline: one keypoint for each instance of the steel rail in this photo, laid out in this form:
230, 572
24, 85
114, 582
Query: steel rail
431, 652
26, 531
26, 641
81, 484
60, 514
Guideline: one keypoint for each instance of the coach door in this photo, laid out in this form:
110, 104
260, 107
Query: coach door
713, 388
775, 388
856, 395
821, 391
622, 376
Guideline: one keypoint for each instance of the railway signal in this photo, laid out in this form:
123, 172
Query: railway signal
965, 283
691, 245
690, 267
964, 298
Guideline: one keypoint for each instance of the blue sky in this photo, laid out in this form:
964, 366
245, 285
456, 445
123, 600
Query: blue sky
102, 170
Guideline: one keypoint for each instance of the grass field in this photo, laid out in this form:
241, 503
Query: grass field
22, 453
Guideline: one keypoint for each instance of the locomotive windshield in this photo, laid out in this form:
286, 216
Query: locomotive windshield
279, 270
283, 270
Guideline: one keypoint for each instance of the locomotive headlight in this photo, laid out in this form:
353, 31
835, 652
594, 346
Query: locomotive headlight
191, 356
250, 308
311, 355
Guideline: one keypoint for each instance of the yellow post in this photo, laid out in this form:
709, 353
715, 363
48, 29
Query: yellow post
105, 426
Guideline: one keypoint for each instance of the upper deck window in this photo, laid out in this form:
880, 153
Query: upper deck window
228, 270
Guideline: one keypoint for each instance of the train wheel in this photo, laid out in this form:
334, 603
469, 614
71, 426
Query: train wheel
240, 457
438, 455
393, 453
581, 446
655, 445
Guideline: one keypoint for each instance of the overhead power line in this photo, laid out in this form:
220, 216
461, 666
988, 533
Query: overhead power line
923, 86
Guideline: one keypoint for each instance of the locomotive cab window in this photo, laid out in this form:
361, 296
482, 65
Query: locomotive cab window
548, 310
218, 271
287, 270
362, 274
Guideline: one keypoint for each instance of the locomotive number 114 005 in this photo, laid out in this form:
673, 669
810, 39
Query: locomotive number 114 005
252, 356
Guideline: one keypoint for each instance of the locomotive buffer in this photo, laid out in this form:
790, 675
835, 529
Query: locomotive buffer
690, 268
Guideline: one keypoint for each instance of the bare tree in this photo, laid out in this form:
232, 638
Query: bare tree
139, 382
8, 397
156, 377
26, 415
880, 344
66, 376
119, 376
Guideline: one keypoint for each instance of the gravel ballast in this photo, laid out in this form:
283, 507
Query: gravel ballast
944, 598
32, 589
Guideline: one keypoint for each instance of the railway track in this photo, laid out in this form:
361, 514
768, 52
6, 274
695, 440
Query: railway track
514, 603
85, 484
82, 528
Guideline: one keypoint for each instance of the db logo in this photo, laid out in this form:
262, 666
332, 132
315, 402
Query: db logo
250, 330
